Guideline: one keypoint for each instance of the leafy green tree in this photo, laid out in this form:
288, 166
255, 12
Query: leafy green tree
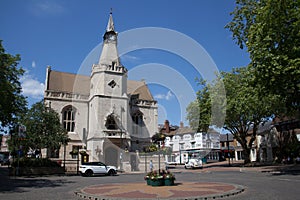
193, 114
12, 102
199, 111
287, 145
270, 30
208, 109
246, 109
43, 129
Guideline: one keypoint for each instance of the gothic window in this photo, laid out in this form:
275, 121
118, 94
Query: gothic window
137, 118
111, 123
69, 118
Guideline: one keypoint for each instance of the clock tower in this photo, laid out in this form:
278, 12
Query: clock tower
108, 103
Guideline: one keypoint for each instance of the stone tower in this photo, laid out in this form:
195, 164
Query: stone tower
108, 103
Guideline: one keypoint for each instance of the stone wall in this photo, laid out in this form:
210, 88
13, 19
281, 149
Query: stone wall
143, 163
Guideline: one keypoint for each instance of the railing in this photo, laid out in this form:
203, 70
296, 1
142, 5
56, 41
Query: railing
65, 95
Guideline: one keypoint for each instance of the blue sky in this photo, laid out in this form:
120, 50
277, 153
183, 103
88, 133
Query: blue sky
62, 33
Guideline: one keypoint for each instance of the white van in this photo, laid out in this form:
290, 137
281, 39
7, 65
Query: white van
193, 164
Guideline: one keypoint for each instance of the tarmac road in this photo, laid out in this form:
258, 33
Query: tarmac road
258, 185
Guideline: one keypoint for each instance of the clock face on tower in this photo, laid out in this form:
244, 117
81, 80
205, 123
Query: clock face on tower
112, 37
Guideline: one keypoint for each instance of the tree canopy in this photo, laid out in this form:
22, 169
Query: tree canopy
208, 109
245, 109
43, 128
270, 30
12, 102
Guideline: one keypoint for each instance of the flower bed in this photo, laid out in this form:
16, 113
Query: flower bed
165, 178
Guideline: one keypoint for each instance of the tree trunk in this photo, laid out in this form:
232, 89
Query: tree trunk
247, 156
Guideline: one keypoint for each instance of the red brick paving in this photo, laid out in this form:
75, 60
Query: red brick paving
180, 190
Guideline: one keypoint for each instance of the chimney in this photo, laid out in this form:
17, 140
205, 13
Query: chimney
167, 126
181, 124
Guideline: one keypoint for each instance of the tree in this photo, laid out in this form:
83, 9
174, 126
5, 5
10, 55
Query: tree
199, 111
43, 129
270, 30
208, 109
193, 114
12, 102
246, 109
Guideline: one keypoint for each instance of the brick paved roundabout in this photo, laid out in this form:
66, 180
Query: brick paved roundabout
184, 190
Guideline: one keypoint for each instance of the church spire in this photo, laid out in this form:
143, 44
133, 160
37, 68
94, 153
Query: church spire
110, 24
109, 55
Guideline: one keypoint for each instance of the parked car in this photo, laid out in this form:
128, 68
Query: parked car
4, 159
193, 163
93, 168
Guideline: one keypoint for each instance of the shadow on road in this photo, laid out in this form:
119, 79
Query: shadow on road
19, 184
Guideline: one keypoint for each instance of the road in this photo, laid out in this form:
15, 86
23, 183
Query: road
258, 185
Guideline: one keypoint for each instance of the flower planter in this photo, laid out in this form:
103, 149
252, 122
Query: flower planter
148, 181
159, 179
168, 182
157, 182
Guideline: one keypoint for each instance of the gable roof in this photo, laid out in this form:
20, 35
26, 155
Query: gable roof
67, 82
80, 84
139, 88
223, 137
185, 130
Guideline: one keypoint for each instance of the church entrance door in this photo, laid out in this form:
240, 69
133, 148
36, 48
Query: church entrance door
111, 156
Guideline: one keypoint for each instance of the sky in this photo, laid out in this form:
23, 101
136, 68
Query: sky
166, 43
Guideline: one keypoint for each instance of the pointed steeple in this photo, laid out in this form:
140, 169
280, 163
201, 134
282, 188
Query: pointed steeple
110, 24
109, 55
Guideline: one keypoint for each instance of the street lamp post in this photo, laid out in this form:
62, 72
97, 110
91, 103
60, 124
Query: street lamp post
159, 157
121, 140
228, 150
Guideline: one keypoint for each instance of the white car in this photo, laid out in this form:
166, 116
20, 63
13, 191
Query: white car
193, 163
91, 168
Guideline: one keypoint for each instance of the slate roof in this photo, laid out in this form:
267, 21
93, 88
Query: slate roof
223, 137
67, 82
80, 84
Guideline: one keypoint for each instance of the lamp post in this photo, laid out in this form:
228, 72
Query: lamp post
228, 150
159, 157
121, 141
158, 138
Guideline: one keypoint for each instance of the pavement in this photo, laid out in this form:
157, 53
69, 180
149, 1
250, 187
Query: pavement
181, 190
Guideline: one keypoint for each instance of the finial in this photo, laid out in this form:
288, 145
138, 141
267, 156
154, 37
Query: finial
110, 11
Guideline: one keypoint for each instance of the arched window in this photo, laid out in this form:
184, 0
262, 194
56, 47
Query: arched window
111, 123
68, 116
137, 118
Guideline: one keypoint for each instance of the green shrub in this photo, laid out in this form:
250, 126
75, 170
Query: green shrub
35, 162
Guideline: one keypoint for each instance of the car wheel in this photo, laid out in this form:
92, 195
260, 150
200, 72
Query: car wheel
89, 173
111, 172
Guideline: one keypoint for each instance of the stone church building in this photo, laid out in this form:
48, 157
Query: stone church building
106, 115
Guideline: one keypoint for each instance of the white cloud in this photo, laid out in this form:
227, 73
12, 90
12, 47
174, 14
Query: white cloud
129, 58
31, 87
33, 65
167, 96
45, 7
